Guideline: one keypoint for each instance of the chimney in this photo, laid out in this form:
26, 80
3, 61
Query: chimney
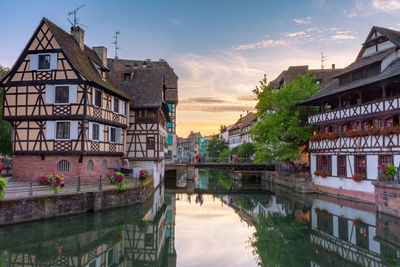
101, 52
333, 66
78, 33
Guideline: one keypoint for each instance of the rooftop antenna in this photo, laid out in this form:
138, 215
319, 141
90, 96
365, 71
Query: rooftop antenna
76, 20
323, 59
116, 43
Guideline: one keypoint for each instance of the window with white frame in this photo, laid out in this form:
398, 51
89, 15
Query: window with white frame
61, 95
96, 132
62, 130
98, 98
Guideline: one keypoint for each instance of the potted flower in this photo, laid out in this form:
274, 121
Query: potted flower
143, 175
117, 178
3, 185
54, 181
325, 173
358, 177
387, 172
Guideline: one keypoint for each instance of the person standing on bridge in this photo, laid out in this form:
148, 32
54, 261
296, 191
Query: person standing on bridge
236, 158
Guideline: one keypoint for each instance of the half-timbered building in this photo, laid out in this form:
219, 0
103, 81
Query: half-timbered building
356, 127
147, 134
65, 114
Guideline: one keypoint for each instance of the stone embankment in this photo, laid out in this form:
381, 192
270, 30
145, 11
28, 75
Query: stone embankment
44, 207
302, 184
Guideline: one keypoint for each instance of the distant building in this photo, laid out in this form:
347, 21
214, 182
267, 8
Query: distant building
322, 76
189, 147
234, 134
245, 126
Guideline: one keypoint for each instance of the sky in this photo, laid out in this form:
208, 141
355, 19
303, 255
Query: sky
220, 49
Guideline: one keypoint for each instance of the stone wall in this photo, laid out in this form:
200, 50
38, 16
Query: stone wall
387, 198
37, 208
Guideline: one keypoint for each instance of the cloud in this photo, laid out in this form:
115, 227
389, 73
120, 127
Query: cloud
175, 21
262, 44
342, 37
388, 6
202, 100
216, 108
307, 20
293, 34
246, 98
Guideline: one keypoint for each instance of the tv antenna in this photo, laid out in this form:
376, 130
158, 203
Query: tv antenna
116, 43
323, 59
76, 20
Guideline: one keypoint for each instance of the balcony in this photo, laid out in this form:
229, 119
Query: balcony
388, 104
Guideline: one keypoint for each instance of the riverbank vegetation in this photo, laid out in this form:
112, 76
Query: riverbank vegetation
281, 132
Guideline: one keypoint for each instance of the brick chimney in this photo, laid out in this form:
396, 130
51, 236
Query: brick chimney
78, 33
333, 66
101, 52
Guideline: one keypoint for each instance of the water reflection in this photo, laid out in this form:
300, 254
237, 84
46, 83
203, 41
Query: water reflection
212, 217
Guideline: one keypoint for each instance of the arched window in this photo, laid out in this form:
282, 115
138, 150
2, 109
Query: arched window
63, 166
116, 164
104, 165
90, 165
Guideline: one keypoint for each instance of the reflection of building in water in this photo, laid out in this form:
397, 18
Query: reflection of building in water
132, 236
345, 233
144, 241
90, 248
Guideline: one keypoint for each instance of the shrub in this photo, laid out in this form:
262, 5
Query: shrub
54, 181
3, 186
117, 178
358, 177
387, 171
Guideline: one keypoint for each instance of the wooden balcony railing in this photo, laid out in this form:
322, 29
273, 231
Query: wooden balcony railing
384, 105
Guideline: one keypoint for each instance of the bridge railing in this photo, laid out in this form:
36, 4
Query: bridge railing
227, 160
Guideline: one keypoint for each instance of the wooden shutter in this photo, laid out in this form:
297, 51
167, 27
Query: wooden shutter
50, 130
74, 130
49, 93
53, 61
90, 130
73, 93
101, 134
34, 60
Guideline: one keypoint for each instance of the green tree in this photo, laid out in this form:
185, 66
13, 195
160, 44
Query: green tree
5, 126
282, 124
246, 150
215, 146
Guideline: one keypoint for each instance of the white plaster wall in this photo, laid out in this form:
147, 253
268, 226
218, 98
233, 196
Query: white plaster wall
369, 51
344, 183
313, 163
372, 167
334, 165
373, 245
335, 226
147, 165
396, 160
385, 45
387, 60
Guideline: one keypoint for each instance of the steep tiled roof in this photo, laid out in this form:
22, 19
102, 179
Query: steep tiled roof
248, 119
81, 60
127, 65
334, 87
291, 74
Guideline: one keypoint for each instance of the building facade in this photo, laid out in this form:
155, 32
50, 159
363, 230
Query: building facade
245, 127
149, 117
357, 125
65, 114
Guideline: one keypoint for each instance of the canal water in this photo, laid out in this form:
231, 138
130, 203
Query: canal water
212, 217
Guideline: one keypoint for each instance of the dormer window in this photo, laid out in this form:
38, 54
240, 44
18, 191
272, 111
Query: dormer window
127, 76
103, 74
318, 82
44, 62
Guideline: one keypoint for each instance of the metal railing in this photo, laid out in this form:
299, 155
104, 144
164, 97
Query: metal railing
396, 178
80, 184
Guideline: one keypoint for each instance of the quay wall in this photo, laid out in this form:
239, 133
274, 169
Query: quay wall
44, 207
387, 198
